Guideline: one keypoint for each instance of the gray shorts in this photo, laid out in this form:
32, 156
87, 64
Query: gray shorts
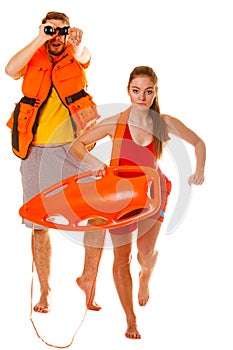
44, 167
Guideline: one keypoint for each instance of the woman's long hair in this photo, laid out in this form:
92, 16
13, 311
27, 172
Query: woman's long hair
160, 130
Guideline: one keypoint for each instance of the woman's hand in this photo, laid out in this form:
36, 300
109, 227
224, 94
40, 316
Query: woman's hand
197, 178
99, 171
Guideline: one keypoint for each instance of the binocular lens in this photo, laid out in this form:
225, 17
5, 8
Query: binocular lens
62, 31
49, 30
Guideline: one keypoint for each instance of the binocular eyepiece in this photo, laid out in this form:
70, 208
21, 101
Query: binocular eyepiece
50, 31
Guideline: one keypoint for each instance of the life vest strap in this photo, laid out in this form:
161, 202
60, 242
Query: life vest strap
72, 98
30, 101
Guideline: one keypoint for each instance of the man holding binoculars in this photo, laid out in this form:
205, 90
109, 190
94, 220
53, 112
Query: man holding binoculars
61, 31
54, 110
58, 32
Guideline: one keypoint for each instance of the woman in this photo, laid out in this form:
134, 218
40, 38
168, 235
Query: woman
144, 133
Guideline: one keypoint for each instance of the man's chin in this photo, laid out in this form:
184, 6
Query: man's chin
56, 52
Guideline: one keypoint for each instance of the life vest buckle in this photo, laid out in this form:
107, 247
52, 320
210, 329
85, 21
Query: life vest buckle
72, 98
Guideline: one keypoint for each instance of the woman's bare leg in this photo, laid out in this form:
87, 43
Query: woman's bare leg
123, 282
147, 256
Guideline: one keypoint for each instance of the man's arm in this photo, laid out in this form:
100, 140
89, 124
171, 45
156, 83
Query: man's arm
80, 51
15, 67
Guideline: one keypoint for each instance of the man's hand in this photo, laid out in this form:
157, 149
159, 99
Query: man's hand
75, 36
45, 37
80, 51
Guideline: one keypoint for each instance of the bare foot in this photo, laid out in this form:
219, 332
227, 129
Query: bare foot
143, 293
43, 306
89, 290
144, 278
132, 332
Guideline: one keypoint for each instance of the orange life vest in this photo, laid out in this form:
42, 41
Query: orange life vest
68, 77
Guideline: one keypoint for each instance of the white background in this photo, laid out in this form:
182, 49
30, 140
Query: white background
189, 45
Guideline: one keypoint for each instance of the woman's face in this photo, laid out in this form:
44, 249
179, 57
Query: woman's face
142, 91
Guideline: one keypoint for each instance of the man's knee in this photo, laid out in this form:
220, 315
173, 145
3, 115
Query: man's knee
41, 232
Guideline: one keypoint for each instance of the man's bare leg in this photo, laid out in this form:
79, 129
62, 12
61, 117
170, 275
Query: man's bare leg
93, 244
147, 256
41, 250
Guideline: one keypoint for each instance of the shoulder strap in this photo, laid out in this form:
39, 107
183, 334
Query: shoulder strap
117, 139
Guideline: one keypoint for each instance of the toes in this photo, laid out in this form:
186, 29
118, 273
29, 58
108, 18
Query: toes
132, 332
93, 306
41, 309
133, 335
143, 302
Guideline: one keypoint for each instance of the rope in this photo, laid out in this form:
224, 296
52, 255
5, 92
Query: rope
91, 294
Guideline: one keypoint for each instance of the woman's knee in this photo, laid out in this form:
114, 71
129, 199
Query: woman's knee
122, 256
146, 253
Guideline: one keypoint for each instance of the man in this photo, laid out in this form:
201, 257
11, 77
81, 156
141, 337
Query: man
54, 110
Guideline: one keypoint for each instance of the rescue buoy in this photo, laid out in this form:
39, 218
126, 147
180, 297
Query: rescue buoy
83, 203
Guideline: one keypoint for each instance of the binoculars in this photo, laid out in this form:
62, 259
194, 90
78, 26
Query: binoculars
62, 31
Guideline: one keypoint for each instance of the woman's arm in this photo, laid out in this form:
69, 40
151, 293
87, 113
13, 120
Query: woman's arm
177, 128
79, 146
